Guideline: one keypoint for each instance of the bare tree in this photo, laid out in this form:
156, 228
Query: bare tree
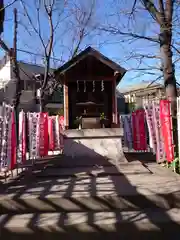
84, 25
164, 14
72, 18
48, 7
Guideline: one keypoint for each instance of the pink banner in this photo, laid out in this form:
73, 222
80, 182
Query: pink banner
43, 135
139, 131
151, 127
24, 139
159, 138
166, 129
13, 141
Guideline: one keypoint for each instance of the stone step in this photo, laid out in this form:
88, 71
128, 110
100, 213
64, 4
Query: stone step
82, 182
116, 180
43, 200
144, 224
67, 161
95, 170
124, 169
98, 170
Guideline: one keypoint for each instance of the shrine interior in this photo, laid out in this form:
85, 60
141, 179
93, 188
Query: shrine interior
89, 99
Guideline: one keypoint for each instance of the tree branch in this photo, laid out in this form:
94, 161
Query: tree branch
8, 5
115, 31
84, 24
5, 47
32, 25
149, 5
49, 45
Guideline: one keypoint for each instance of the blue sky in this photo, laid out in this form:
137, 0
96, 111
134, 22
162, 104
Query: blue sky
115, 47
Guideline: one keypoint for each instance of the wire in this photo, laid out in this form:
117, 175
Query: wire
38, 54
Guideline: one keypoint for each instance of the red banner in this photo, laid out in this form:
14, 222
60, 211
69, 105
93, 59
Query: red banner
13, 141
61, 128
61, 121
43, 135
139, 131
51, 134
166, 129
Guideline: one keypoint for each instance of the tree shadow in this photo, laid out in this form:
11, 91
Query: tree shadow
143, 157
84, 198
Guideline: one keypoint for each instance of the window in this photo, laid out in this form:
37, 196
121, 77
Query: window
22, 85
27, 85
38, 84
57, 96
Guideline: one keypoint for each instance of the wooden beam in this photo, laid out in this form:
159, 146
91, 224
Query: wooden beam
66, 105
92, 79
114, 102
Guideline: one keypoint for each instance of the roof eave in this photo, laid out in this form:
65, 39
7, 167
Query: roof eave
120, 76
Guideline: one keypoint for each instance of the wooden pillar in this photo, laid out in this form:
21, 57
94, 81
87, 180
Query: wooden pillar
114, 103
66, 106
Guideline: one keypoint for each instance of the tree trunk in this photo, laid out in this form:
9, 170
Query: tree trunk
41, 103
169, 77
168, 69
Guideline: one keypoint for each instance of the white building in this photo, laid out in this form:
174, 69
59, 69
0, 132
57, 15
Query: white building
29, 85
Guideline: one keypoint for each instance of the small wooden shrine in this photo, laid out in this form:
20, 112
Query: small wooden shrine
90, 81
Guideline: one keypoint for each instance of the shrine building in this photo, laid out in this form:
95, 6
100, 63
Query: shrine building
89, 82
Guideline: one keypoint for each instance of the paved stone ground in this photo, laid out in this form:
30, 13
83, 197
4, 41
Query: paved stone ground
92, 199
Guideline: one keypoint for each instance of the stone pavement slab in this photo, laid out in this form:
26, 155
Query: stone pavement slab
128, 201
91, 222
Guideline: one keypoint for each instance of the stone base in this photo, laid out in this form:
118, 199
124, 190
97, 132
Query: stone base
94, 143
91, 123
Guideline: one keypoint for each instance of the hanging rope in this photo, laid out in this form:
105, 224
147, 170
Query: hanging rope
102, 86
93, 86
77, 86
84, 86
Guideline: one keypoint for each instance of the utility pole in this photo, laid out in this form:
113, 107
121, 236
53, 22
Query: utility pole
2, 14
16, 75
15, 66
15, 35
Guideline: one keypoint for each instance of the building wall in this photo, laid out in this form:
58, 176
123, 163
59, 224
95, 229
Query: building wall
121, 108
5, 74
120, 105
135, 99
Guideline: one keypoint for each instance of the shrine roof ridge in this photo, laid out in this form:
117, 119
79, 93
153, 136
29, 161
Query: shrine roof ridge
91, 51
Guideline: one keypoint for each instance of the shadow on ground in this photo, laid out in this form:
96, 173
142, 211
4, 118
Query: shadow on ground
82, 204
145, 157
